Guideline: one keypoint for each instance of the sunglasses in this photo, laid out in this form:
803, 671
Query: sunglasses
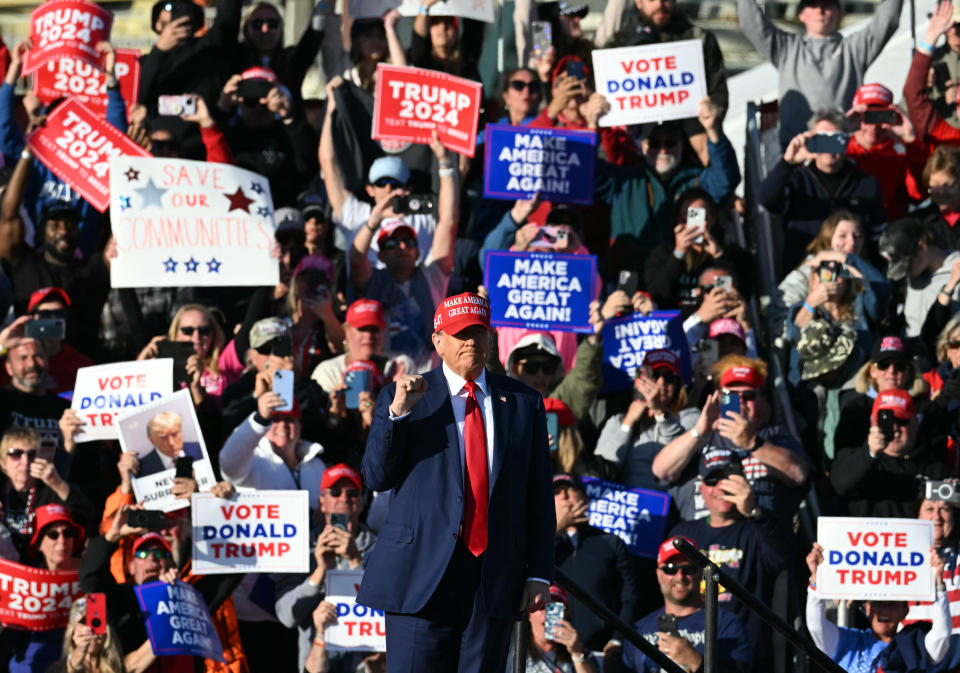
394, 243
900, 367
68, 534
260, 24
673, 569
337, 491
392, 183
714, 479
520, 85
662, 143
203, 330
156, 553
745, 395
534, 368
17, 454
953, 344
665, 374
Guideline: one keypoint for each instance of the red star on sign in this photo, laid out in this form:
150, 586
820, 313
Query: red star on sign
238, 200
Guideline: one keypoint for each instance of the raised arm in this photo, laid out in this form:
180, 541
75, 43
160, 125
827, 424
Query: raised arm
869, 42
11, 224
671, 460
332, 180
765, 37
397, 55
360, 268
448, 207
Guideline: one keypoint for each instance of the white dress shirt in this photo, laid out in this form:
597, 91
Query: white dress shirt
457, 387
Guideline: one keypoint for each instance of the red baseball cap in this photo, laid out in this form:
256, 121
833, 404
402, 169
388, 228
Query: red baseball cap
48, 514
898, 401
366, 313
148, 538
258, 72
873, 95
47, 293
557, 593
742, 374
564, 413
293, 413
662, 357
340, 471
460, 311
392, 227
668, 552
727, 326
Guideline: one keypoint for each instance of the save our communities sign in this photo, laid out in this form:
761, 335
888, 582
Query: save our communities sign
648, 83
258, 531
555, 163
541, 290
873, 558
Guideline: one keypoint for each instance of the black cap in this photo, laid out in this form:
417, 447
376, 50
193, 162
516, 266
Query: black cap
889, 349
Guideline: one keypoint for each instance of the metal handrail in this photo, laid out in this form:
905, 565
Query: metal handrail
715, 576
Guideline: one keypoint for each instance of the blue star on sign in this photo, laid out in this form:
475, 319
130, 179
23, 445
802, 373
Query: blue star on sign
213, 266
191, 265
256, 187
169, 266
124, 203
263, 211
150, 195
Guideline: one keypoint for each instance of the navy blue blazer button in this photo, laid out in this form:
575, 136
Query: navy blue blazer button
459, 498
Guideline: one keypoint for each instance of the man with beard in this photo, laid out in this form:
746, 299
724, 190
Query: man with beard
55, 263
677, 628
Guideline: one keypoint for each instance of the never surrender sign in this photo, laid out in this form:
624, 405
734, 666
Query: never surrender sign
102, 392
655, 82
635, 515
182, 223
255, 532
410, 103
627, 339
70, 77
875, 559
65, 29
77, 146
34, 599
178, 621
541, 290
521, 161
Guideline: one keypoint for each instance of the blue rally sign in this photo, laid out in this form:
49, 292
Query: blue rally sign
541, 290
178, 621
521, 161
636, 515
627, 339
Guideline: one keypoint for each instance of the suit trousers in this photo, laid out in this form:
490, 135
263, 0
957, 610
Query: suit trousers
451, 634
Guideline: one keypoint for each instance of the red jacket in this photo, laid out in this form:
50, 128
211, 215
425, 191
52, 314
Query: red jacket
931, 128
897, 167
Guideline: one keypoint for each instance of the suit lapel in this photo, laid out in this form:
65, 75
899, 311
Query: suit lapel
501, 423
438, 403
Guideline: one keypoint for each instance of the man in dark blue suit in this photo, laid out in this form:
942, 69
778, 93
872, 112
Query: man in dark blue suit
165, 432
468, 540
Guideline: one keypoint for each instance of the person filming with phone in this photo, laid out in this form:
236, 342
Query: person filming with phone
677, 629
553, 643
341, 542
880, 479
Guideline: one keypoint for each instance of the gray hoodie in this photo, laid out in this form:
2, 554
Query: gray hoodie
815, 72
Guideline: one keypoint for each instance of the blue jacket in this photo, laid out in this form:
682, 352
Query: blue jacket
418, 457
43, 185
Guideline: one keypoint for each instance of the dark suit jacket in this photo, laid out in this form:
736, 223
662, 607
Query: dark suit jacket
151, 463
418, 457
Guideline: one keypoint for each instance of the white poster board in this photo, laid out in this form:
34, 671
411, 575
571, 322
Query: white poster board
182, 223
254, 532
153, 483
102, 392
481, 10
873, 558
358, 627
650, 83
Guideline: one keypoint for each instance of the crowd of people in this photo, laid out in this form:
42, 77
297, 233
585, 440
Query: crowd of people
865, 325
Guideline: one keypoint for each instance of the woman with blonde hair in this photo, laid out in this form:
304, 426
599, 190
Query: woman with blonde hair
85, 651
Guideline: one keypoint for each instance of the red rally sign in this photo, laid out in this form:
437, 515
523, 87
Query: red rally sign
409, 103
77, 146
65, 29
34, 599
70, 77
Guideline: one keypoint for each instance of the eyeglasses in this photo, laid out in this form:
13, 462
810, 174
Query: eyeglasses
534, 367
156, 552
667, 375
392, 183
900, 367
520, 85
203, 330
673, 569
68, 534
260, 24
394, 243
17, 454
337, 491
744, 395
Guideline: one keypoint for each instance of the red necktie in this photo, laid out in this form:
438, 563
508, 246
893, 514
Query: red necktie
475, 477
